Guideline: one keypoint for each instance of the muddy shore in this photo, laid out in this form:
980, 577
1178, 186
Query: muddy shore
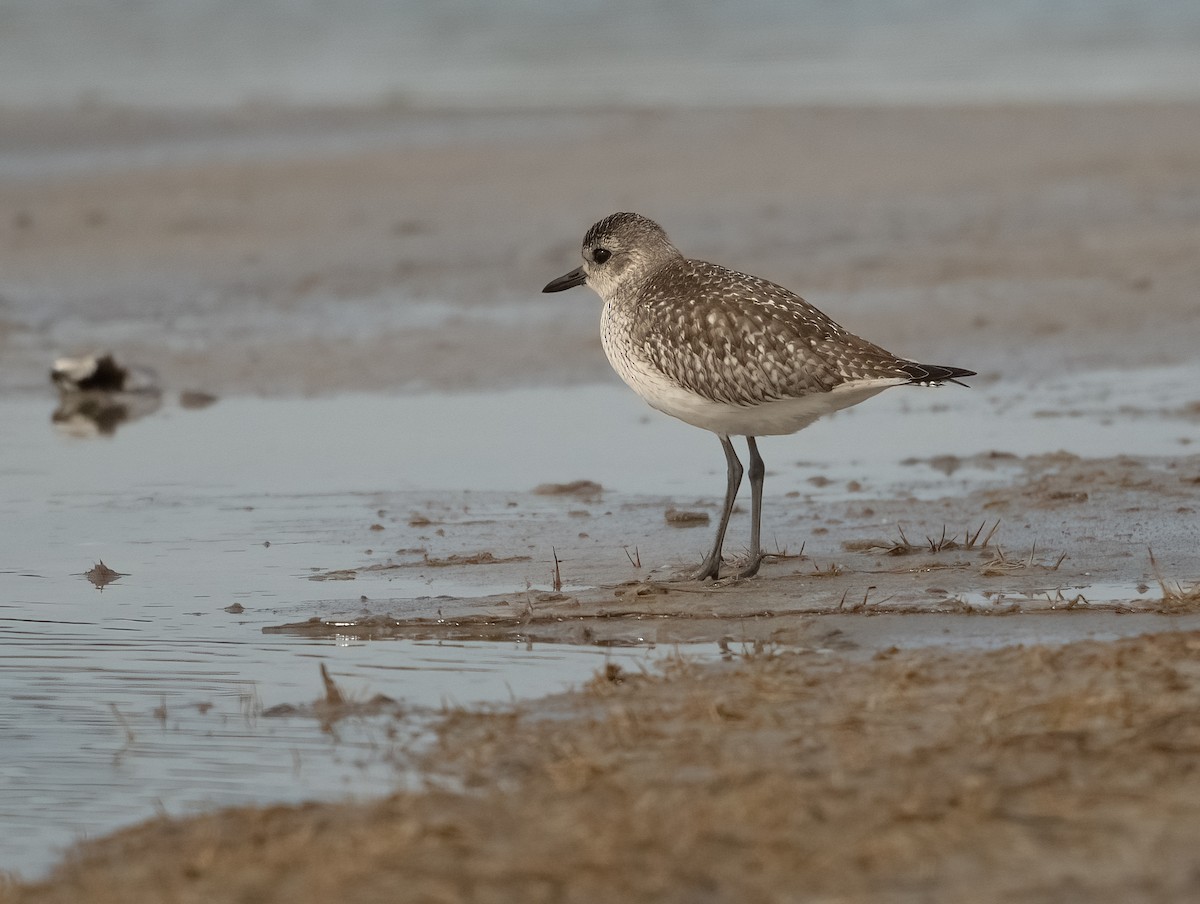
295, 253
1030, 773
286, 253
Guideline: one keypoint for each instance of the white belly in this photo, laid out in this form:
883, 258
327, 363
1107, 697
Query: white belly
777, 418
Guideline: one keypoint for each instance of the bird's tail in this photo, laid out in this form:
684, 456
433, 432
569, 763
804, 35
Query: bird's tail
934, 374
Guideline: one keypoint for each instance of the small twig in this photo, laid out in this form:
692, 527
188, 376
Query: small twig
833, 571
528, 600
972, 539
937, 546
333, 695
1175, 593
130, 737
782, 554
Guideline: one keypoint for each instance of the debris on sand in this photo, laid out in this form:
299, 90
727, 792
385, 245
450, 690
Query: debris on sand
486, 557
101, 575
583, 488
683, 518
194, 399
480, 558
641, 588
341, 574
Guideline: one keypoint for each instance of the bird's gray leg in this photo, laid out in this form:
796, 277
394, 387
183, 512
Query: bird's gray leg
712, 562
757, 473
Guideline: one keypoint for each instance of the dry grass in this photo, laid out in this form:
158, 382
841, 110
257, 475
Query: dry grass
832, 570
902, 546
1021, 774
1175, 594
557, 576
1002, 564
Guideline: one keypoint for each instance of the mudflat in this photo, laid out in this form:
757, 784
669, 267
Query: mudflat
1062, 774
843, 748
282, 252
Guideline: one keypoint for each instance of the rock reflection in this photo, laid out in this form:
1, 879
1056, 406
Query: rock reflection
101, 575
89, 414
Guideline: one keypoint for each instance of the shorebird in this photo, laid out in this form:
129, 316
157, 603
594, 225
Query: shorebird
727, 352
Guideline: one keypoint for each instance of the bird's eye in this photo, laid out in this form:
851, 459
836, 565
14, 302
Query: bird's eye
600, 255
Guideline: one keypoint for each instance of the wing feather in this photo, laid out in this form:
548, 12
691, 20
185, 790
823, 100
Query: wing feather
742, 340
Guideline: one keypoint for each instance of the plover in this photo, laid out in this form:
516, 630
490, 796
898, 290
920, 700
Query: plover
726, 351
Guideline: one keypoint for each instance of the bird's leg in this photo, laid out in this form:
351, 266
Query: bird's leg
712, 562
757, 473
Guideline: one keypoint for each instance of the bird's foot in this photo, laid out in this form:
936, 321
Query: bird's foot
709, 570
751, 567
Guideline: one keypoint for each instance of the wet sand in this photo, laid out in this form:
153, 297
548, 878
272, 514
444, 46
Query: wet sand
1030, 773
1033, 244
311, 253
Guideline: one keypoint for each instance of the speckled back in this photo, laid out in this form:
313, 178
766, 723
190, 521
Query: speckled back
738, 339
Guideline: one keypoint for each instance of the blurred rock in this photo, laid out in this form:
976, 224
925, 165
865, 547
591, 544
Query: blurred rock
101, 373
97, 394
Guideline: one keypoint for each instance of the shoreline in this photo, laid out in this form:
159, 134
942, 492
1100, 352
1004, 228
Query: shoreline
1034, 244
915, 775
1033, 238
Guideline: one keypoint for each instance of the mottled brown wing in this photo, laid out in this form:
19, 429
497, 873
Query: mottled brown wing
742, 340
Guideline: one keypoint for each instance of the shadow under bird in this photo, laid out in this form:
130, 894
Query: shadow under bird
726, 351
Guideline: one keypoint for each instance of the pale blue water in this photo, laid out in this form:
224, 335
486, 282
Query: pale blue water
149, 696
217, 53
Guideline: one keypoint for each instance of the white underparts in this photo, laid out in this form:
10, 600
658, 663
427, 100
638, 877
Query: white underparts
774, 418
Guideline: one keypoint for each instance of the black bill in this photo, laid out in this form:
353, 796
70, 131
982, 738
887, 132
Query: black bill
567, 281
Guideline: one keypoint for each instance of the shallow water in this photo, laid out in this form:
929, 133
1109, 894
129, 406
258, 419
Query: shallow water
149, 695
513, 440
217, 53
115, 717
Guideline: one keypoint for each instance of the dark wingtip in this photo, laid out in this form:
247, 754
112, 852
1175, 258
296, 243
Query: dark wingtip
933, 374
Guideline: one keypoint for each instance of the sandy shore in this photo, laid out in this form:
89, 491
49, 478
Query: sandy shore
1031, 774
286, 253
